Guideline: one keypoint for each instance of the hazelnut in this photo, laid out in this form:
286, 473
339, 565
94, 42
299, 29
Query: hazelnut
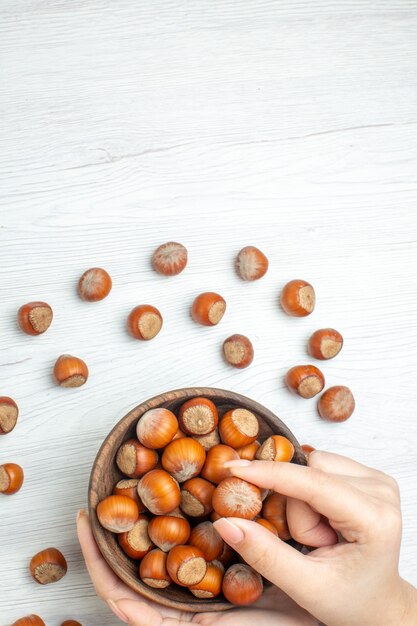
208, 308
298, 298
186, 565
94, 285
11, 478
276, 448
198, 416
251, 263
9, 412
242, 585
70, 371
325, 344
48, 566
336, 404
238, 427
235, 497
157, 428
153, 571
35, 318
134, 460
170, 259
144, 322
305, 380
211, 585
136, 542
238, 351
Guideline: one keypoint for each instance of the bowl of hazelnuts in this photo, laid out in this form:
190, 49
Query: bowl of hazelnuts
159, 482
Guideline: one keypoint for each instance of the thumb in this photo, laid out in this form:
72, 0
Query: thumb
135, 613
274, 559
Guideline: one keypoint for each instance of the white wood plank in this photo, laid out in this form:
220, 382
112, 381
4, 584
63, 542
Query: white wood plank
288, 125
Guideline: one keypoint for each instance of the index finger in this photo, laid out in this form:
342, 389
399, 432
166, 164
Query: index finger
328, 494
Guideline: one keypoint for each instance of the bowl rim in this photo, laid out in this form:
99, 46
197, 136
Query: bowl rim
119, 429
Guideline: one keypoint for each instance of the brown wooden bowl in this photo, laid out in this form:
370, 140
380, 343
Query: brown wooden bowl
105, 474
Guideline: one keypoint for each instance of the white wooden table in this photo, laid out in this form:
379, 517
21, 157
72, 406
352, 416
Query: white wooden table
289, 125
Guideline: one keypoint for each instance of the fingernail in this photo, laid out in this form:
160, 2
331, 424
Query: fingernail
238, 463
231, 533
117, 611
81, 514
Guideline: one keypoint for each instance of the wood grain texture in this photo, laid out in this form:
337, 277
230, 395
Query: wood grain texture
287, 125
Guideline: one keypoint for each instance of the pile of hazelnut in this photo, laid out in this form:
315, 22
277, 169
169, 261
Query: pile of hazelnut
176, 486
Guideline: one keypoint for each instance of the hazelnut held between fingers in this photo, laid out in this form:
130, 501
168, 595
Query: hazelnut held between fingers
48, 566
144, 322
9, 412
70, 371
170, 258
94, 285
298, 298
238, 351
336, 404
34, 318
325, 344
305, 380
242, 585
251, 263
11, 478
29, 620
234, 497
208, 308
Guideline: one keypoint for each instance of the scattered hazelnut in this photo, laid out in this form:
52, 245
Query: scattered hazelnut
276, 448
238, 427
325, 344
251, 263
29, 620
35, 318
48, 566
305, 380
153, 571
9, 412
235, 497
134, 460
198, 416
238, 351
170, 259
144, 322
336, 404
70, 371
11, 478
208, 308
298, 298
186, 565
118, 514
94, 285
242, 585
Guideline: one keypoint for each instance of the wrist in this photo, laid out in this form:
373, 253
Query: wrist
409, 614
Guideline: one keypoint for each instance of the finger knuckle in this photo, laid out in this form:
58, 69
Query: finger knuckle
387, 520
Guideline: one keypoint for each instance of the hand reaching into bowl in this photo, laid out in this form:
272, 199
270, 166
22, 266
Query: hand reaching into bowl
350, 579
274, 608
